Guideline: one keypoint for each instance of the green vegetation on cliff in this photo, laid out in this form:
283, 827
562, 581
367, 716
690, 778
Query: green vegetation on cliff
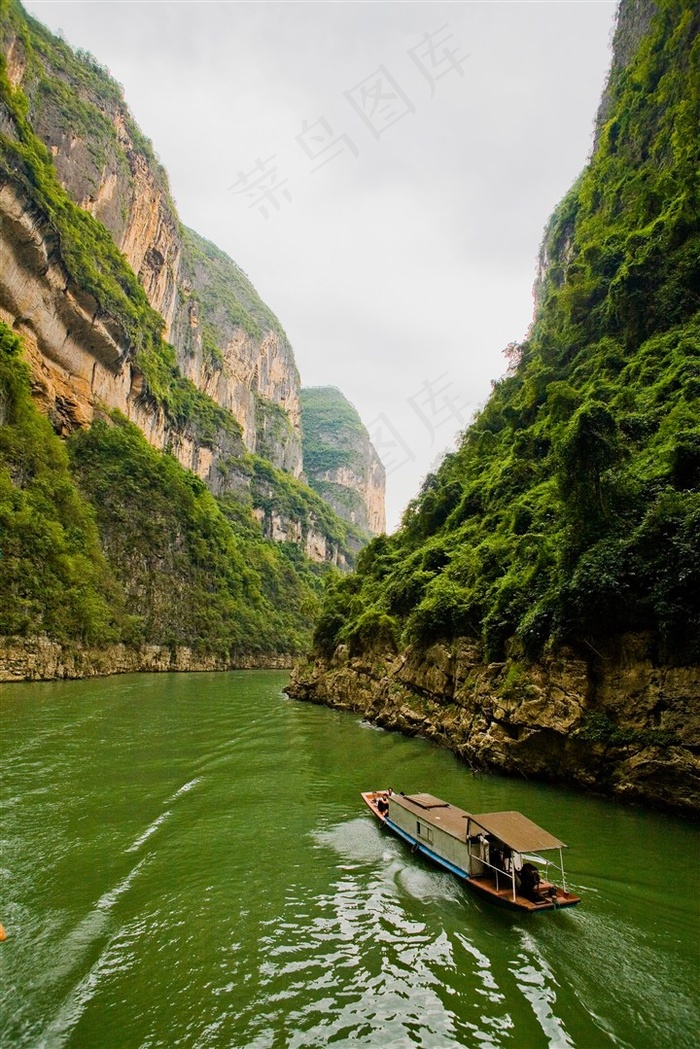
54, 577
197, 569
333, 432
142, 551
335, 444
277, 492
571, 510
109, 540
225, 292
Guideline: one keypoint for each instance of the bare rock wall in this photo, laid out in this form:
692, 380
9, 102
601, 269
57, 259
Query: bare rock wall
615, 723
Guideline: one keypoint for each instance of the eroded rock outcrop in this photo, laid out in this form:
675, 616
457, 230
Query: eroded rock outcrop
81, 359
42, 659
614, 722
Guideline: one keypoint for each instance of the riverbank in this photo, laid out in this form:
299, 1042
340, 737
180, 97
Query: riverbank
612, 721
41, 659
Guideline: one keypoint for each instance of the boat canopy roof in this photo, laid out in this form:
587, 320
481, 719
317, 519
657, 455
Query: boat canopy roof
516, 831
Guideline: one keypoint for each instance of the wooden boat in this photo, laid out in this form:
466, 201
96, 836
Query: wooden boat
495, 853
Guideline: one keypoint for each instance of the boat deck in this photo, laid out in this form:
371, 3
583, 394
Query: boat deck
453, 821
435, 812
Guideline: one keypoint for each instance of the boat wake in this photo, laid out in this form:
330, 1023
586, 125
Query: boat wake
160, 820
186, 787
150, 831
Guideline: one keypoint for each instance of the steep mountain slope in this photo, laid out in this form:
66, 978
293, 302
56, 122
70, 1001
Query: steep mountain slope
339, 460
220, 336
569, 518
112, 557
216, 567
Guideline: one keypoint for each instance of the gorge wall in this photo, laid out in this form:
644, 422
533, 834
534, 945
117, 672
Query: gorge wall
616, 723
227, 342
153, 508
340, 461
201, 366
538, 611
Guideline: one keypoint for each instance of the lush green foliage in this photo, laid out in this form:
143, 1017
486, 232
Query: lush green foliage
277, 492
572, 508
54, 578
333, 433
197, 570
116, 542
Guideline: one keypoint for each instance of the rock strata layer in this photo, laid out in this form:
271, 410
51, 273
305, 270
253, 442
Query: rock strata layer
41, 659
614, 723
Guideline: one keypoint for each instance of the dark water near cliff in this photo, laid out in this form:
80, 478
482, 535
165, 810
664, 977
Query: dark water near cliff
186, 862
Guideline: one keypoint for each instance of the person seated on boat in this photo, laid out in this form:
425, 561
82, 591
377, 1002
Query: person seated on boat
530, 882
382, 805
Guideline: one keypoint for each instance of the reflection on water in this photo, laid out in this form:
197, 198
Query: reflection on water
186, 861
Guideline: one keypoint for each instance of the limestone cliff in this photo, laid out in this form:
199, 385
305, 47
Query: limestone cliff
134, 312
81, 359
340, 461
226, 341
123, 336
616, 723
234, 348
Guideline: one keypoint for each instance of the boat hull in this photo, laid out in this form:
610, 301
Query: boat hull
483, 886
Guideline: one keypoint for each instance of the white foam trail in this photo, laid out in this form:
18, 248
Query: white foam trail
149, 831
93, 925
536, 982
160, 820
186, 787
74, 1004
108, 899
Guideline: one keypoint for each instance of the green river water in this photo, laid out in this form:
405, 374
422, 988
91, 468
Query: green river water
186, 861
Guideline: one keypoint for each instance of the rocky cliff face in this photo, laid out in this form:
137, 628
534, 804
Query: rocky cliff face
42, 659
234, 348
226, 341
224, 383
81, 361
340, 461
614, 722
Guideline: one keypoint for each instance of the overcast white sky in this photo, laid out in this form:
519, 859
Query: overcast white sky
381, 171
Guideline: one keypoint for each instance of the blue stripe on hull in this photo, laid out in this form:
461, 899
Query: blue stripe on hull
420, 847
